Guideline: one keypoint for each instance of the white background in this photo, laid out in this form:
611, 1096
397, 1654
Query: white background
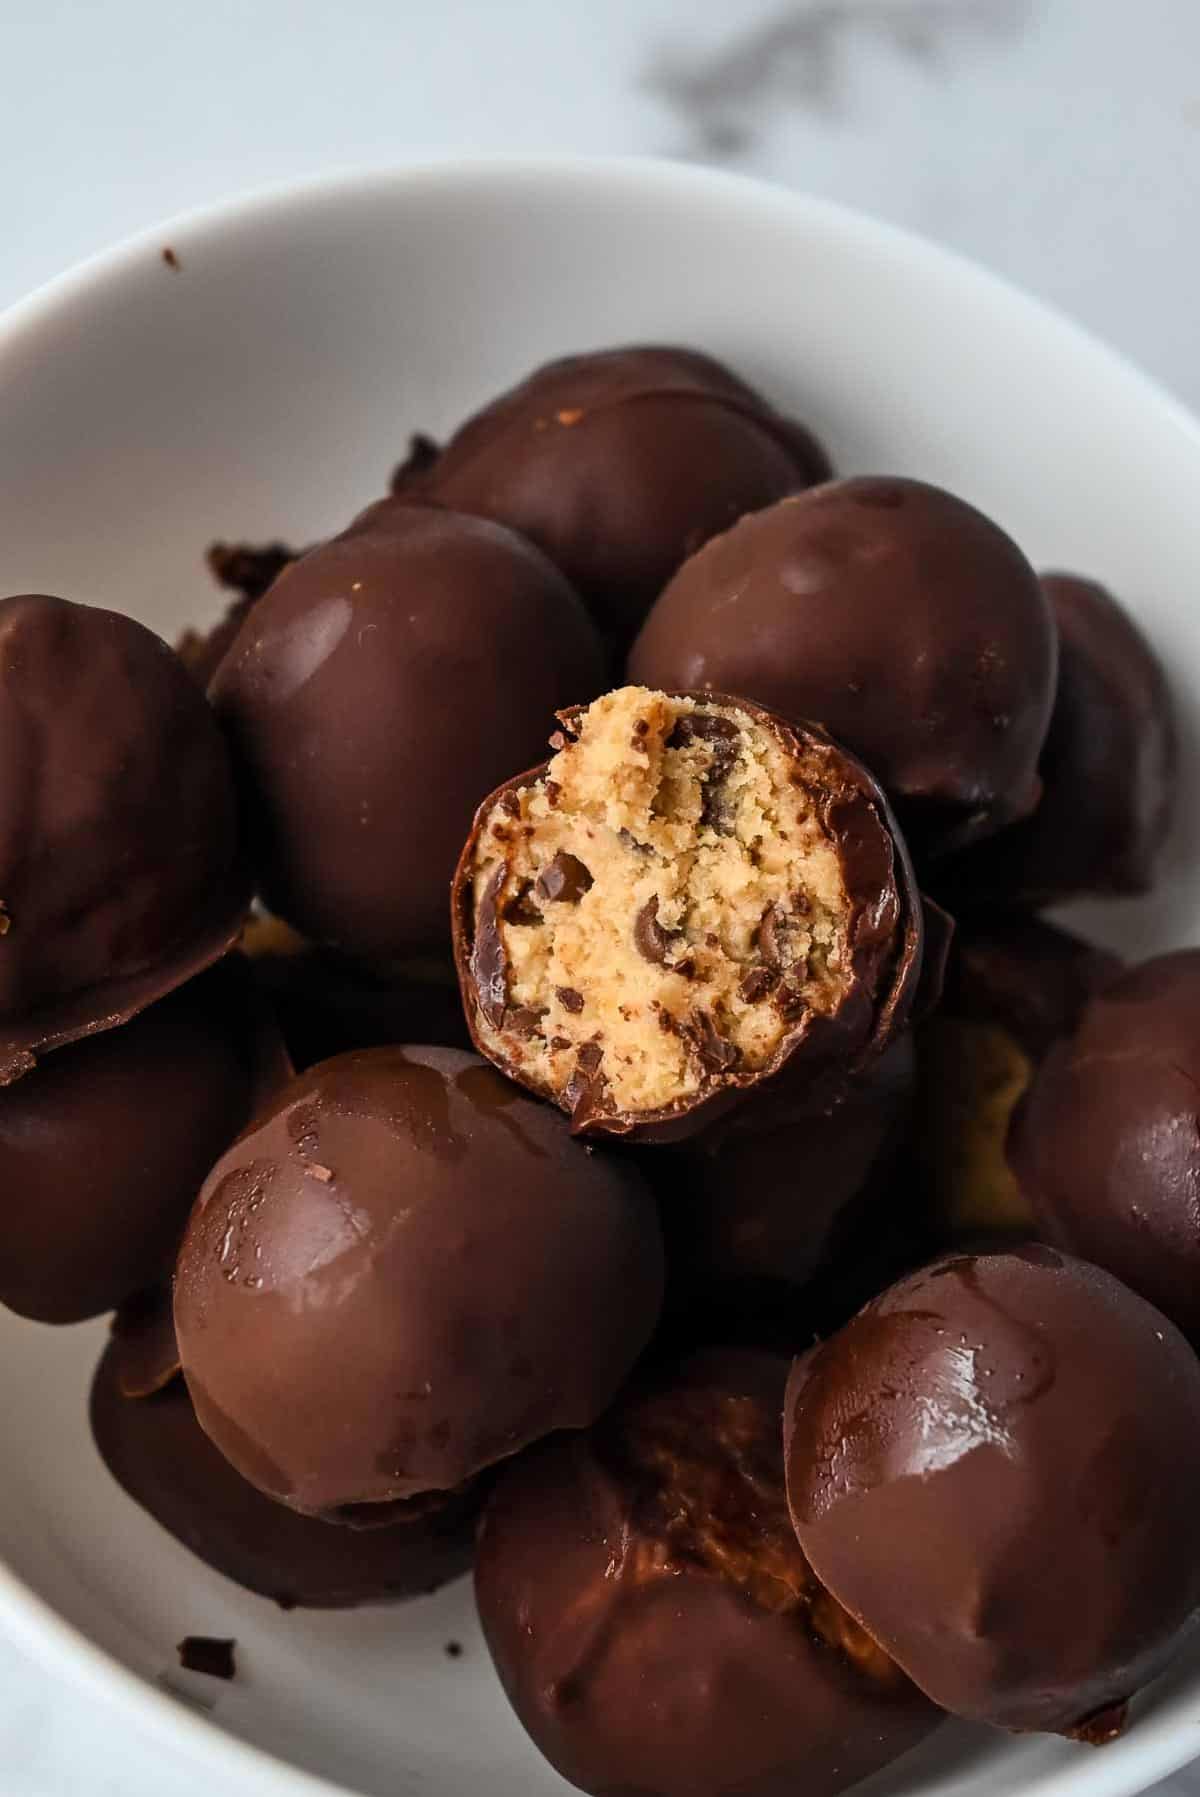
1056, 140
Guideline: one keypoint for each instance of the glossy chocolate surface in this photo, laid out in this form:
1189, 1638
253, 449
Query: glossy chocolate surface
119, 874
385, 682
1105, 1148
156, 1450
818, 1053
895, 615
762, 1208
104, 1147
652, 1619
995, 1467
402, 1272
621, 463
1108, 768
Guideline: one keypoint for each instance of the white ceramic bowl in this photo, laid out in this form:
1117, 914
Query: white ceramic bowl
266, 387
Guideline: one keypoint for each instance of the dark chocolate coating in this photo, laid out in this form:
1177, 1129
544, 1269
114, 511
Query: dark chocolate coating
1108, 769
119, 875
761, 1208
896, 615
1015, 985
402, 1272
995, 1467
157, 1452
818, 1053
105, 1146
652, 1620
384, 682
1105, 1147
621, 463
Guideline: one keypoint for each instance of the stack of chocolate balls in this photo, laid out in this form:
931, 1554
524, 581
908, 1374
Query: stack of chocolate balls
682, 1172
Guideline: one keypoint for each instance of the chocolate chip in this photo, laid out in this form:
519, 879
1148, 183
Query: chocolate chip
206, 1654
586, 1085
520, 909
560, 1042
757, 983
553, 792
524, 1021
768, 938
721, 734
565, 879
569, 999
652, 942
714, 1052
510, 803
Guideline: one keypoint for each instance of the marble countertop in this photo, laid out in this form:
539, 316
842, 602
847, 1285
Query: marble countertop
1057, 141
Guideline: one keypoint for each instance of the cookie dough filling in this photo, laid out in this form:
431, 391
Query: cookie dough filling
662, 905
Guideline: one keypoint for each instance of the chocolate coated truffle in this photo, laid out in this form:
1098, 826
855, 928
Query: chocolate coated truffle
1015, 985
157, 1452
621, 463
104, 1147
1108, 769
1105, 1147
402, 1272
898, 617
652, 1619
118, 825
689, 897
385, 682
995, 1467
754, 1212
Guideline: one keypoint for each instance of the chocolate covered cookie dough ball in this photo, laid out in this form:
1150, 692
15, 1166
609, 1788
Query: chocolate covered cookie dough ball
758, 1211
1108, 769
403, 1272
119, 874
157, 1452
995, 1467
898, 617
104, 1147
385, 681
690, 897
652, 1619
1015, 985
621, 463
1105, 1147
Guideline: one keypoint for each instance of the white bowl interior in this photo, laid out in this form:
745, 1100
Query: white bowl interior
266, 388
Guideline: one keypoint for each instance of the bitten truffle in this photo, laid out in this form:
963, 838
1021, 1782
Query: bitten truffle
902, 619
403, 1272
119, 873
652, 1619
621, 463
689, 897
104, 1147
157, 1452
1015, 985
1105, 1147
384, 682
995, 1467
1108, 769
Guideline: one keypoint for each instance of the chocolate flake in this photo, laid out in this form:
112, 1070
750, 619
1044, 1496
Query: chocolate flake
569, 999
510, 802
757, 983
489, 963
524, 1021
208, 1654
716, 1055
721, 735
565, 879
652, 942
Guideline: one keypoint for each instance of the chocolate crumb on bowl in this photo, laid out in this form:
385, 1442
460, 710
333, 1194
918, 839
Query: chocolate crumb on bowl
689, 896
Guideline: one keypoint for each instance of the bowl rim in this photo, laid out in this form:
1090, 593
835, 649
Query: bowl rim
29, 1620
